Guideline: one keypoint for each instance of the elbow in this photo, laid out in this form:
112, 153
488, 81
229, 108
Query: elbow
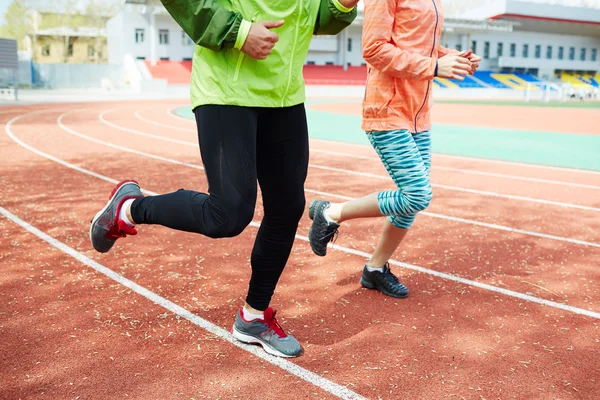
370, 51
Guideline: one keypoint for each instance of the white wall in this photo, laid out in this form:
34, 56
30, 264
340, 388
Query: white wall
121, 38
532, 39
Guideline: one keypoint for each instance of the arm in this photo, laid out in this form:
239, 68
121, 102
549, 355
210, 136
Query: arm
378, 50
209, 24
334, 16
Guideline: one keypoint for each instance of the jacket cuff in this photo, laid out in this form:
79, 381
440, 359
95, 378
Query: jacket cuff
242, 34
341, 7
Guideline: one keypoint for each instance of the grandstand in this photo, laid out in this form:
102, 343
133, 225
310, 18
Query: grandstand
523, 45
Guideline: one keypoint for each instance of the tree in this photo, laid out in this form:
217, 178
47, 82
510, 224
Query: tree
97, 13
18, 23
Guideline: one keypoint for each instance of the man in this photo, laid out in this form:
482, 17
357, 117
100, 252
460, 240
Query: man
248, 97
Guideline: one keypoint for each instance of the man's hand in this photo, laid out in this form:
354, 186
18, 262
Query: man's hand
473, 58
261, 40
454, 66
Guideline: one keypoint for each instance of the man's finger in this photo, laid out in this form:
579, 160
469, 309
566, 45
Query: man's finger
273, 24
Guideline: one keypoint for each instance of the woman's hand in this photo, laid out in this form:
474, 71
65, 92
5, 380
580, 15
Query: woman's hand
454, 66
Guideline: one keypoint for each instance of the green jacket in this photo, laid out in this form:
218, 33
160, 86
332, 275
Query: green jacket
222, 74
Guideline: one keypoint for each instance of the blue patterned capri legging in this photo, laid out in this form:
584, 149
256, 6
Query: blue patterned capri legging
407, 158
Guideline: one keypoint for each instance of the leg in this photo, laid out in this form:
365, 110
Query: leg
400, 155
282, 164
392, 235
227, 137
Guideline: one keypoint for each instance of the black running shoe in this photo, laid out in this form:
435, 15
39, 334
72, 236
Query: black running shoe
385, 282
322, 231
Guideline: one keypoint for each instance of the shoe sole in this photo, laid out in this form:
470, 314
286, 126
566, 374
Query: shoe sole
311, 210
119, 186
369, 285
253, 340
311, 215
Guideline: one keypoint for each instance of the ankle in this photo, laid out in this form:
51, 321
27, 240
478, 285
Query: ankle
250, 313
333, 213
125, 213
371, 267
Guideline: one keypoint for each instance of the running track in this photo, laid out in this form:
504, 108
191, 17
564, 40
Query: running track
503, 272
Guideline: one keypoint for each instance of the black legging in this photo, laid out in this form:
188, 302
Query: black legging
240, 145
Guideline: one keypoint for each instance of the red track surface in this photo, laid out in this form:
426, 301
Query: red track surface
69, 331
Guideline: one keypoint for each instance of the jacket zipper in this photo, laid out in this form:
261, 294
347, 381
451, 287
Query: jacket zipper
238, 66
287, 89
430, 55
367, 83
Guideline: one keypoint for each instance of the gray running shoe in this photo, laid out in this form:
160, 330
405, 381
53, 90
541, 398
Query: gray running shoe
106, 226
322, 231
267, 333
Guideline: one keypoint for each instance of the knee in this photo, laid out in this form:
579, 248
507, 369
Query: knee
421, 200
231, 221
288, 211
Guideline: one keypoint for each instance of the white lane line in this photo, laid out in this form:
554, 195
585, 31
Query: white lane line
136, 132
465, 190
441, 216
171, 113
466, 171
170, 127
114, 146
337, 390
468, 282
370, 175
476, 223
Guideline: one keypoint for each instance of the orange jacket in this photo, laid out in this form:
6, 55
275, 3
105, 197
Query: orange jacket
401, 47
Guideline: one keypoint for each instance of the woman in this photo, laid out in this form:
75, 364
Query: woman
401, 46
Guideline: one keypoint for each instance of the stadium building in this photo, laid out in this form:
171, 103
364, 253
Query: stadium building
520, 42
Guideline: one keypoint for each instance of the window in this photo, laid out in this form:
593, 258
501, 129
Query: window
139, 36
594, 54
486, 50
500, 49
70, 50
474, 46
525, 50
583, 54
459, 47
163, 36
572, 53
185, 39
561, 53
46, 50
91, 51
513, 50
549, 52
538, 51
349, 44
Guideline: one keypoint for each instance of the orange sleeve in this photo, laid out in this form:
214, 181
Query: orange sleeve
379, 51
443, 51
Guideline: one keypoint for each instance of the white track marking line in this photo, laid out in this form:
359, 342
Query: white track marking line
468, 282
477, 223
136, 132
434, 215
335, 389
370, 175
171, 127
114, 146
171, 113
467, 171
465, 158
460, 189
